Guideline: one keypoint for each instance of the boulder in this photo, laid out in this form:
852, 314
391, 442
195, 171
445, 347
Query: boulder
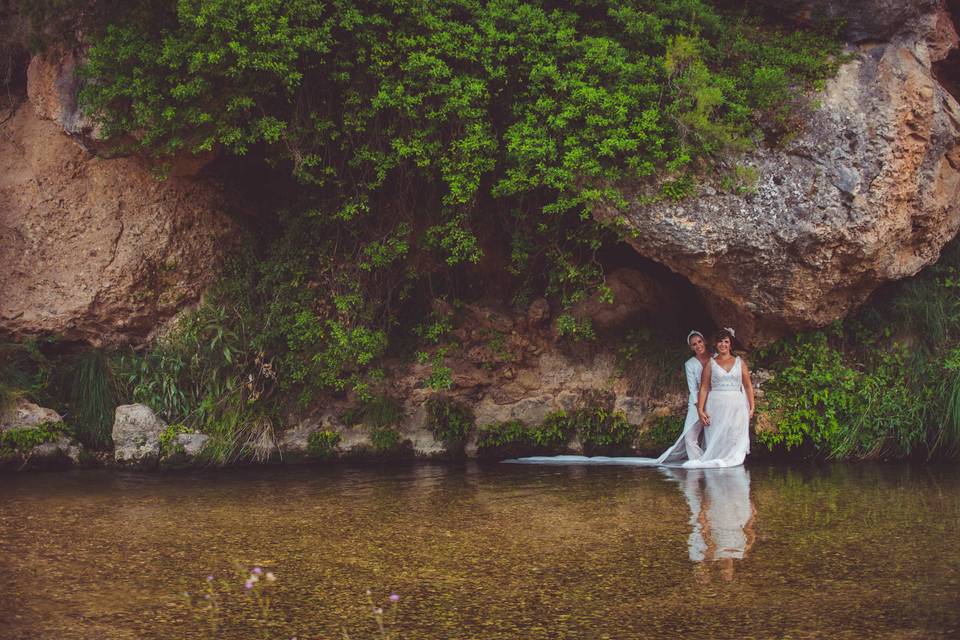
96, 250
136, 435
59, 452
33, 422
191, 444
22, 413
861, 20
865, 194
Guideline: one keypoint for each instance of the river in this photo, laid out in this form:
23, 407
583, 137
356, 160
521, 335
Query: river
483, 551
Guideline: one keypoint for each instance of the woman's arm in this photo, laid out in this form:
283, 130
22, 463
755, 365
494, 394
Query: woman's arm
702, 395
747, 385
693, 380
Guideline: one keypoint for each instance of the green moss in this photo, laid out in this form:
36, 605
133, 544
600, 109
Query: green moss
322, 444
450, 422
22, 440
168, 439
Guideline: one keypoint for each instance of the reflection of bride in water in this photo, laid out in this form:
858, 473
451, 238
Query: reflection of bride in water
721, 515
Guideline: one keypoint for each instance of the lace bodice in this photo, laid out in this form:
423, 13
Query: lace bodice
721, 380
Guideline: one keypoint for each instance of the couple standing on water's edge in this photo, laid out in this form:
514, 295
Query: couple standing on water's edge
719, 408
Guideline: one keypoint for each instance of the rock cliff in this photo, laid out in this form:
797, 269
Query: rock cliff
866, 193
93, 249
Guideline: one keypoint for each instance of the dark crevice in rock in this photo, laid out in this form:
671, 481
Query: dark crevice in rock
947, 70
14, 58
686, 308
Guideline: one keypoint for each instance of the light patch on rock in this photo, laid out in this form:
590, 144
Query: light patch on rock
24, 414
136, 435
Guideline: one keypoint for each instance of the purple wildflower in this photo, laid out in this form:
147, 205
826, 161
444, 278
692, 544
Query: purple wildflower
394, 597
210, 578
248, 584
257, 570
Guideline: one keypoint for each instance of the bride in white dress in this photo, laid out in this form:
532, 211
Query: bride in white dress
725, 405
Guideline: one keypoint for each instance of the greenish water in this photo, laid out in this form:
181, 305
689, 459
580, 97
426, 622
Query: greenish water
488, 552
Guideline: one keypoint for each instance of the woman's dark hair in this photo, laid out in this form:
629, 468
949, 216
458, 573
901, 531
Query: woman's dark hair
721, 334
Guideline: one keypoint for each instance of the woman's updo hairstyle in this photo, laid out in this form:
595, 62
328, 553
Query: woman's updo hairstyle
720, 334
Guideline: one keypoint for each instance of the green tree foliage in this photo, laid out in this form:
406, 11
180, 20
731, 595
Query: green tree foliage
420, 137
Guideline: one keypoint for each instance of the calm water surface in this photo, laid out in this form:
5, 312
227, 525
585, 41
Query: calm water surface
488, 552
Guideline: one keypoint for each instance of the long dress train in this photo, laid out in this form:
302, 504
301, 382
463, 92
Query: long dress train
685, 448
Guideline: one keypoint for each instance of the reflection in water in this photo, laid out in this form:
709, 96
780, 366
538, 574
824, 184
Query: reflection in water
721, 514
495, 552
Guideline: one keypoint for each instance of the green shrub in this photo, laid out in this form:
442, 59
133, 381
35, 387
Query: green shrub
322, 444
22, 440
553, 433
597, 426
813, 394
450, 422
575, 329
501, 435
660, 433
384, 440
872, 409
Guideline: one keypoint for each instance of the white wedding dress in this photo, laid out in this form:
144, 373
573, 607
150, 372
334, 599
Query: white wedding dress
727, 439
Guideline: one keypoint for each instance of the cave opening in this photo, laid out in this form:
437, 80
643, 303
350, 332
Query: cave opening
680, 308
14, 58
947, 70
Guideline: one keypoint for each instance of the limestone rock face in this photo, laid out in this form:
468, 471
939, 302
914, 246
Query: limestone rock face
23, 414
95, 250
867, 193
863, 19
136, 435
